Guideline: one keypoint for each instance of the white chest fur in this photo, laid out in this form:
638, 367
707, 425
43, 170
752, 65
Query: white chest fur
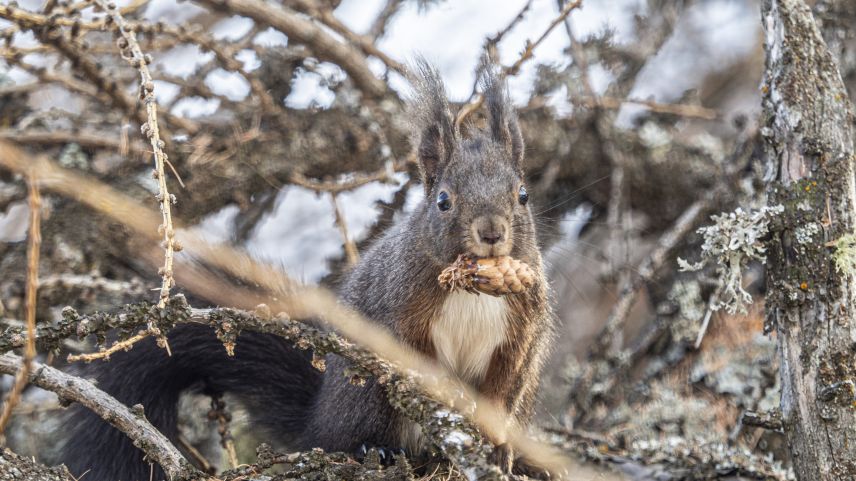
467, 331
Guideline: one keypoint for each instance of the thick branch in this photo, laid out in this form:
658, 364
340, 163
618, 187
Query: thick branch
130, 421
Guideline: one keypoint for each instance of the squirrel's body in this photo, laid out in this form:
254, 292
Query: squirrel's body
496, 344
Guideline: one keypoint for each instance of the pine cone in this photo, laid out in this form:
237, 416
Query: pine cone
496, 276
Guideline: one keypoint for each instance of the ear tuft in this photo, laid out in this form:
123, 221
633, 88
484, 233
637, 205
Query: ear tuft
504, 128
433, 132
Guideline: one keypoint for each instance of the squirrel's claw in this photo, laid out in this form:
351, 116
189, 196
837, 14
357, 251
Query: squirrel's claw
379, 455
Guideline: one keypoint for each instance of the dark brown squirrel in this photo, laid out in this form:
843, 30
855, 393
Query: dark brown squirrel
475, 203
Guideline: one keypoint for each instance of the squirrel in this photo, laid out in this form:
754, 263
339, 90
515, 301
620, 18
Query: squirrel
475, 203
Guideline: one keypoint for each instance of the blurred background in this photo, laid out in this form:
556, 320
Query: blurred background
289, 139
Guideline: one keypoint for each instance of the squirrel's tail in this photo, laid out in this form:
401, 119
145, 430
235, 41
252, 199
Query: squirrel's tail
274, 380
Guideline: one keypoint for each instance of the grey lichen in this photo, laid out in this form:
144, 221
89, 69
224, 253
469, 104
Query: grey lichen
687, 298
746, 373
731, 243
73, 156
700, 459
805, 233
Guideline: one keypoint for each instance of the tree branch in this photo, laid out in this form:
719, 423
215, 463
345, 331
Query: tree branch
304, 31
130, 421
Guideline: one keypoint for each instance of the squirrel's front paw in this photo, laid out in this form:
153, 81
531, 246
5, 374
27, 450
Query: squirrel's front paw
377, 455
496, 276
503, 456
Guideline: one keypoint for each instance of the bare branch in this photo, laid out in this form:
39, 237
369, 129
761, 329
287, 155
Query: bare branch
132, 421
365, 43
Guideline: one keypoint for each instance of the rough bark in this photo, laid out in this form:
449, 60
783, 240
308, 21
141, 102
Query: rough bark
810, 299
837, 21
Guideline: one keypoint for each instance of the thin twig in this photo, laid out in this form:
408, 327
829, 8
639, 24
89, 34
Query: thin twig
579, 57
530, 47
200, 459
34, 202
131, 52
48, 31
218, 411
493, 41
94, 140
224, 56
116, 347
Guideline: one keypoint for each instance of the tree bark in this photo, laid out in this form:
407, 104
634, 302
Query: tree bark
810, 298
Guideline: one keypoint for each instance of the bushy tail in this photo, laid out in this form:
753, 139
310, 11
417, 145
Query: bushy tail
275, 381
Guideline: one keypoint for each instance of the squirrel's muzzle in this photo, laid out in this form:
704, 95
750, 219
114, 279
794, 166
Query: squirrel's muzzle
490, 236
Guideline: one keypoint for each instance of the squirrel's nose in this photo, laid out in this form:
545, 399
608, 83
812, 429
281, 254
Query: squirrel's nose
489, 232
490, 236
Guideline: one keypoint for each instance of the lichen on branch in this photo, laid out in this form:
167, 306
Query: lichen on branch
731, 242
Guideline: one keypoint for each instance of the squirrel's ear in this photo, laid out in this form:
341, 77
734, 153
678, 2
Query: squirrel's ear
503, 118
433, 129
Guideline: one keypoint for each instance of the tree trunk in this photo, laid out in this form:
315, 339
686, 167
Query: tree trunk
810, 300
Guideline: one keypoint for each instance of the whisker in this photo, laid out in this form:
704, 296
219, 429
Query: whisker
571, 195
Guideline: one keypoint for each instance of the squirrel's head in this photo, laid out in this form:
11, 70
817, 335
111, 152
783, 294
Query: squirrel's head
475, 198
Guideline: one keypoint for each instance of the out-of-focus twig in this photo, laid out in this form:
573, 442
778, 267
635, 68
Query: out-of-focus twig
223, 54
525, 55
378, 28
681, 110
305, 31
365, 43
494, 40
648, 267
350, 247
194, 453
85, 139
34, 243
48, 29
385, 174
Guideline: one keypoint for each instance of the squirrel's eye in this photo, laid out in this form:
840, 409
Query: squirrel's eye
522, 195
444, 203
